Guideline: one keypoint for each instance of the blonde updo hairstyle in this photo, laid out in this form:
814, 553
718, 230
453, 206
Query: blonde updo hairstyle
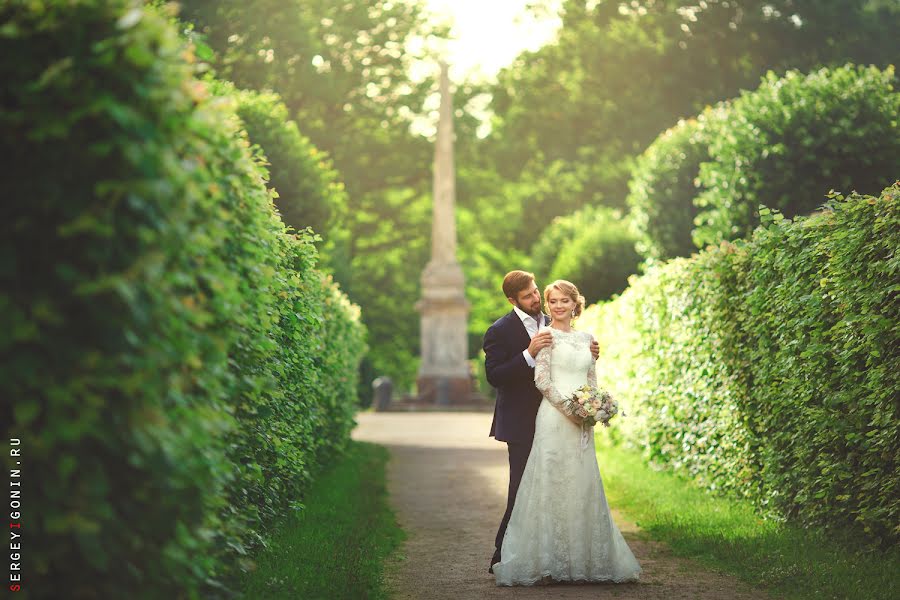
568, 288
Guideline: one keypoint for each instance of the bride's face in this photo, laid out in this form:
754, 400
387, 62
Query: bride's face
560, 305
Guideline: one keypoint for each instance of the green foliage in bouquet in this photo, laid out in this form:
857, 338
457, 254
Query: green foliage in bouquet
174, 365
770, 368
794, 138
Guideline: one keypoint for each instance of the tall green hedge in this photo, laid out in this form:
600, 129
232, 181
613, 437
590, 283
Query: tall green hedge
310, 193
786, 143
790, 141
770, 368
175, 366
664, 184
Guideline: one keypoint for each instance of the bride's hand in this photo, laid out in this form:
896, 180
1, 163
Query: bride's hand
576, 418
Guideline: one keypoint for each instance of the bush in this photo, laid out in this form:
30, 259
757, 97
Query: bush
664, 184
593, 248
176, 366
793, 139
769, 368
310, 193
700, 182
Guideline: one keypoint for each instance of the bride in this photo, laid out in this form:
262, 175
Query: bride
561, 528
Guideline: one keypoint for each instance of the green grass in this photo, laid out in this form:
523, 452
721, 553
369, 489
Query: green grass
335, 546
788, 561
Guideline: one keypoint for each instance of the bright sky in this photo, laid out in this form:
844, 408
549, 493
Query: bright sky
487, 36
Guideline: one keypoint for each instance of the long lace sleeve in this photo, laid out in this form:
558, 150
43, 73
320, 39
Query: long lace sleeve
592, 371
544, 383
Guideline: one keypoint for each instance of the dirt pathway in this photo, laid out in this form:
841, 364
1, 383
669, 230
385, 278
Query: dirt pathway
447, 481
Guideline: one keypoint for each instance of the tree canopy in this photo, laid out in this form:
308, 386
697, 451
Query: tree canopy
568, 120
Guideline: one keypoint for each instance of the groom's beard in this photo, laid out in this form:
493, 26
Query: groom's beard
527, 310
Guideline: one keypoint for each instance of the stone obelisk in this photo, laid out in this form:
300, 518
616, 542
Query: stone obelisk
444, 376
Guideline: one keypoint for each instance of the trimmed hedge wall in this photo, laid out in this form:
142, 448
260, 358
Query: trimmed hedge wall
786, 143
175, 366
310, 193
792, 140
664, 184
770, 368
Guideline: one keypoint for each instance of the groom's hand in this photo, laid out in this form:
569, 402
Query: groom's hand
541, 341
595, 349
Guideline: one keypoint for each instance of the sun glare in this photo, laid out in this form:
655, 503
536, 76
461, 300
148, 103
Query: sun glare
486, 36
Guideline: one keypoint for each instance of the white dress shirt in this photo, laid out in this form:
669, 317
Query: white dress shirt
531, 326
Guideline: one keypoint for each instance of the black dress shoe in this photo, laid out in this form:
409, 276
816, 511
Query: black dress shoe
494, 560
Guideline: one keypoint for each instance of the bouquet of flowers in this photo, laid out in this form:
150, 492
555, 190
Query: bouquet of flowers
593, 405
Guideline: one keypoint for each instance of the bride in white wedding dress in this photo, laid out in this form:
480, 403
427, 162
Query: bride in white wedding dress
560, 528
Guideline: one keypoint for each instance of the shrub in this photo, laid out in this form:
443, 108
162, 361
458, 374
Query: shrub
161, 332
768, 368
790, 141
593, 248
664, 184
309, 192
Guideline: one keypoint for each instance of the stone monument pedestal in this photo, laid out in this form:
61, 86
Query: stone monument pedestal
444, 377
443, 390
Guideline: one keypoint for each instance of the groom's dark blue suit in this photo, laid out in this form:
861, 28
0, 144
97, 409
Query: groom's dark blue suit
517, 401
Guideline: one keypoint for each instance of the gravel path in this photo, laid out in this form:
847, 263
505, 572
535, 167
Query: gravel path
447, 482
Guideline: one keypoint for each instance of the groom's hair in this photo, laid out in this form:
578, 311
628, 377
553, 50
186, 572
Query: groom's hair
515, 282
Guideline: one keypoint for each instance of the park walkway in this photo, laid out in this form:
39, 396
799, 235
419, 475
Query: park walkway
447, 482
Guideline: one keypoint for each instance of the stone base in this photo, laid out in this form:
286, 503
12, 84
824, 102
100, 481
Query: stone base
462, 393
443, 391
474, 403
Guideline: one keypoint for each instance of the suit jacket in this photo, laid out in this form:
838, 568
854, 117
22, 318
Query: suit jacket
518, 399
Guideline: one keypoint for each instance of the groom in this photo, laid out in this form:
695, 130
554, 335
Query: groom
510, 347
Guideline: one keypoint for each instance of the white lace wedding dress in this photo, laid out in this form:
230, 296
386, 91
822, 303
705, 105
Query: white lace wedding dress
560, 528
